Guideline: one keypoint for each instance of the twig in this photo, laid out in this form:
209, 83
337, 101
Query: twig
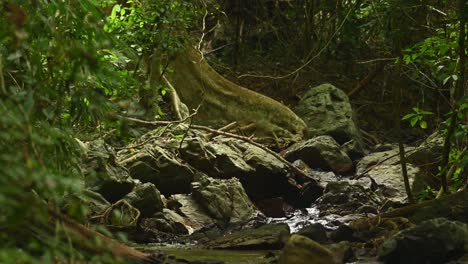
216, 49
189, 125
227, 127
376, 60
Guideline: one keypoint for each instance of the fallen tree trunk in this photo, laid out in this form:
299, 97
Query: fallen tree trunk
223, 102
86, 238
453, 206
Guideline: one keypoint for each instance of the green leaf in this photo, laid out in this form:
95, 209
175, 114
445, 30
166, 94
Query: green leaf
414, 120
408, 116
115, 9
446, 80
423, 124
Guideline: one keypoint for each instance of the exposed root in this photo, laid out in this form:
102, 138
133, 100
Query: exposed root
129, 215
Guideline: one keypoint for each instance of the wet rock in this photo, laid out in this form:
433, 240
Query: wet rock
224, 200
270, 236
302, 250
433, 241
275, 207
321, 152
160, 166
316, 232
343, 198
102, 172
146, 198
390, 183
326, 111
322, 177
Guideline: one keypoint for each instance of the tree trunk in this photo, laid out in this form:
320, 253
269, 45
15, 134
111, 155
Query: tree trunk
223, 102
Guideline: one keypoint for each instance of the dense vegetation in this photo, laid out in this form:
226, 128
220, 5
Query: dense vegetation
67, 68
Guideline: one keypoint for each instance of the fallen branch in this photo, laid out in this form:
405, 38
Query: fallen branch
226, 134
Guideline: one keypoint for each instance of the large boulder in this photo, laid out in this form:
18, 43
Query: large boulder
383, 155
302, 250
262, 175
427, 156
343, 199
224, 200
154, 162
326, 111
389, 181
321, 152
146, 198
316, 232
166, 221
194, 215
213, 201
102, 172
93, 202
270, 236
434, 241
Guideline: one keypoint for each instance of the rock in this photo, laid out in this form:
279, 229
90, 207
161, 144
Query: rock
326, 111
453, 207
354, 150
434, 241
343, 198
389, 179
213, 201
262, 175
146, 198
164, 222
94, 202
302, 250
269, 236
316, 232
342, 252
103, 174
224, 200
195, 217
426, 157
384, 155
160, 166
342, 233
274, 207
320, 152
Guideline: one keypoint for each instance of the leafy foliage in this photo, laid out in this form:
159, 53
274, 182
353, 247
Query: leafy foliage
59, 76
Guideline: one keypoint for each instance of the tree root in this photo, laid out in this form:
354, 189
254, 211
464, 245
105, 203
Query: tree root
125, 209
